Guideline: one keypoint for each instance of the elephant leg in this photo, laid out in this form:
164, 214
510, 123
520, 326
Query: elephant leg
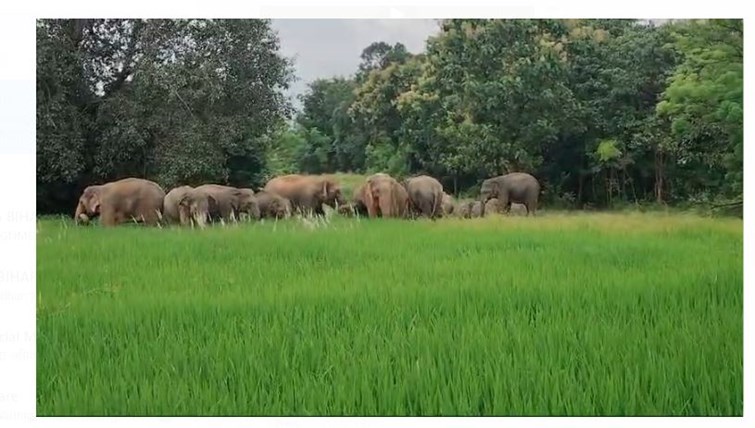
425, 208
437, 208
108, 216
151, 217
505, 204
531, 207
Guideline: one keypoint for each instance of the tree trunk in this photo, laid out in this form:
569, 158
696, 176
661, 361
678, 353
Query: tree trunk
608, 187
659, 176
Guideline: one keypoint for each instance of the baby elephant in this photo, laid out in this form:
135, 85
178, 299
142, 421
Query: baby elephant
471, 209
352, 209
493, 206
447, 205
272, 205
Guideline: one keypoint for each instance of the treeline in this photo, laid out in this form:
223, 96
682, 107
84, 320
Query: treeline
600, 111
175, 101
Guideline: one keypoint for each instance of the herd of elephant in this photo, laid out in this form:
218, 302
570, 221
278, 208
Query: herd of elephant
141, 200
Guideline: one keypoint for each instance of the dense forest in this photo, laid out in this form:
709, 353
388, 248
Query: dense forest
602, 112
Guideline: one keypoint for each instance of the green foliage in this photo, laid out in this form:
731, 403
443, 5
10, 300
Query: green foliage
185, 101
282, 151
378, 56
704, 102
607, 151
545, 96
325, 109
622, 315
176, 101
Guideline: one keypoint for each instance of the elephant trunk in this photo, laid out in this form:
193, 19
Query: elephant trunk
183, 217
80, 213
200, 218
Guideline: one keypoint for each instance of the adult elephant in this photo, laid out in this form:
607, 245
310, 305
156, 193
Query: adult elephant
210, 202
384, 197
516, 187
171, 213
129, 199
272, 205
307, 193
425, 196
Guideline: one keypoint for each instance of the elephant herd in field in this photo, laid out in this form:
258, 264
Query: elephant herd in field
140, 200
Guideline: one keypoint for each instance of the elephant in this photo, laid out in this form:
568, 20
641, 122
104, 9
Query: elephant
493, 206
476, 209
122, 201
425, 196
210, 202
470, 209
447, 205
248, 204
463, 210
355, 207
518, 209
171, 213
383, 196
348, 209
307, 193
515, 187
272, 205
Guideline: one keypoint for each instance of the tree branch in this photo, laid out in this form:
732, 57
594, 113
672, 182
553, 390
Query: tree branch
128, 69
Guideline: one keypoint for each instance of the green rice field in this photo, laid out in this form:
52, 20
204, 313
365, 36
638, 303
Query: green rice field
561, 314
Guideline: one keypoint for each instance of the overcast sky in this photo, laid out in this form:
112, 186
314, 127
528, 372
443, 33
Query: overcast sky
324, 48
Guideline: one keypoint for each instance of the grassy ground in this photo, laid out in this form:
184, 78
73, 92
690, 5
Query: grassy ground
594, 314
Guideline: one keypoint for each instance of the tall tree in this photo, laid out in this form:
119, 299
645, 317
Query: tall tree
177, 101
325, 108
378, 56
703, 101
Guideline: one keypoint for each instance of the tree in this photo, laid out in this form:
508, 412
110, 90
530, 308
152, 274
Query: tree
176, 101
377, 117
378, 56
491, 97
325, 108
703, 101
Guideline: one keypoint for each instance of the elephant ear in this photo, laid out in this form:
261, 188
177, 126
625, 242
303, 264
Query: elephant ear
212, 203
184, 200
497, 184
94, 203
238, 196
92, 195
327, 188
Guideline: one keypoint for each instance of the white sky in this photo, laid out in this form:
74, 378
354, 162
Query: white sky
324, 48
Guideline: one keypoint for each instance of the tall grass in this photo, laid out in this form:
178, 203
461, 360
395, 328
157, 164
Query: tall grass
555, 315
